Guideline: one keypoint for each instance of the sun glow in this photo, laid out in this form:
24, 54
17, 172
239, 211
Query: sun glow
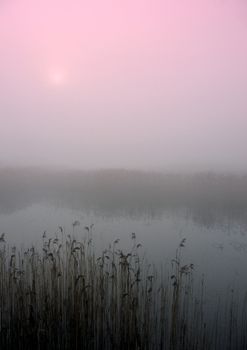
57, 77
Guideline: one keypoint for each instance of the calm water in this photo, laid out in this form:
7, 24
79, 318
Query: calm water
216, 241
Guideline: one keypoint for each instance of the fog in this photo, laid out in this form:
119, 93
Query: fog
154, 85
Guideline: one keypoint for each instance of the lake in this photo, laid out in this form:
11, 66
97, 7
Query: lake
208, 210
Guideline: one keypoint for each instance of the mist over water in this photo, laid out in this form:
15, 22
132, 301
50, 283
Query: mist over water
208, 210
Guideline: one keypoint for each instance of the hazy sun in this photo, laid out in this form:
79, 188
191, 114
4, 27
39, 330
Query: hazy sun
57, 77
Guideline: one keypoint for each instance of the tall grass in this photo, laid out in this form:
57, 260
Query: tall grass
64, 296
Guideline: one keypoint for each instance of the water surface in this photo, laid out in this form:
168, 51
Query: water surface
160, 210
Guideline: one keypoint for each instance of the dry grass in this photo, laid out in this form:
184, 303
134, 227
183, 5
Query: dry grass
66, 297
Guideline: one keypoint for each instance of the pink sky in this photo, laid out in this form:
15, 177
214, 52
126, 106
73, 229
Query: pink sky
150, 84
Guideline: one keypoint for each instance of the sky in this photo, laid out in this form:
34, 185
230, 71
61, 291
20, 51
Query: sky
149, 84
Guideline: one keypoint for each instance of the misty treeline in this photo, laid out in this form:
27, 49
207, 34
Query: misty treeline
124, 186
124, 190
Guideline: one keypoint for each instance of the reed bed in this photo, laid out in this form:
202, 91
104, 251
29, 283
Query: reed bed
65, 296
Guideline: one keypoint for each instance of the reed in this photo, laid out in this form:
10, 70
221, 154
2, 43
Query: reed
64, 296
